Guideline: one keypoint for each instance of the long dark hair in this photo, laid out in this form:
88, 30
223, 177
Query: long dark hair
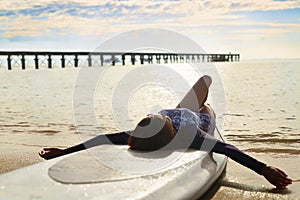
151, 133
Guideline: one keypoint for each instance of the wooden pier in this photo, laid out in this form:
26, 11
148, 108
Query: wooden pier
49, 59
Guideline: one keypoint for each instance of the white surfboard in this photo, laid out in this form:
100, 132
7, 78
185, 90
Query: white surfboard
114, 172
186, 175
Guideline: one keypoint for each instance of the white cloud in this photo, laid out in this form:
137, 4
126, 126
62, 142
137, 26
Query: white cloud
167, 14
212, 20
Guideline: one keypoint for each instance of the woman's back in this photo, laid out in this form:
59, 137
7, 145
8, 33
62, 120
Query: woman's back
182, 117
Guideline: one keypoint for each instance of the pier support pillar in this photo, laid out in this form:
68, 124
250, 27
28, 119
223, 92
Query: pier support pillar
158, 59
89, 60
123, 59
101, 60
165, 57
49, 61
142, 59
133, 59
63, 64
36, 62
76, 61
23, 62
113, 60
9, 62
187, 58
181, 59
150, 59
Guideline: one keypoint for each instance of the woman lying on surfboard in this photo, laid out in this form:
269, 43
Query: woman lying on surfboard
190, 125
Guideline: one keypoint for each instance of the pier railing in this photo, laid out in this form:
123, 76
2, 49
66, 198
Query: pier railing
51, 59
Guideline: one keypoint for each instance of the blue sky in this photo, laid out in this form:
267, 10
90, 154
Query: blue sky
255, 29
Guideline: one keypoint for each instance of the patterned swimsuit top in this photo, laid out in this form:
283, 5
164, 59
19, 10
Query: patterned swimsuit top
186, 117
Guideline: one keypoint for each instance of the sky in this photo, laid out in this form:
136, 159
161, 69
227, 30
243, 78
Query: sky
256, 29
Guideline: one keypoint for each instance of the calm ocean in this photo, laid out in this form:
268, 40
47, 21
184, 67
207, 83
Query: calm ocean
257, 103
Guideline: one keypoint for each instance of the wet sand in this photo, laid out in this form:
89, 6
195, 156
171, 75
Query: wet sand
17, 157
242, 183
19, 150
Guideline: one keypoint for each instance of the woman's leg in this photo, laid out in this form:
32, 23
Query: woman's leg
197, 95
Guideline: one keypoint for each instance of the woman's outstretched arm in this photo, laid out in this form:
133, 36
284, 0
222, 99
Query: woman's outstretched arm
120, 138
274, 175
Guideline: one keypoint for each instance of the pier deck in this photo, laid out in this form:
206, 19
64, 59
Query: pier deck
49, 59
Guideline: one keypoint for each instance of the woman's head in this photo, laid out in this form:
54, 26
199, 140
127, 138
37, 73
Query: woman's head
151, 133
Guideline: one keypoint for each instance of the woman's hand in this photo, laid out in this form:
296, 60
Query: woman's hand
49, 153
276, 177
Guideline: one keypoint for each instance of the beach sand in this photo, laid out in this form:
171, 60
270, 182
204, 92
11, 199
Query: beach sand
25, 127
23, 151
242, 183
17, 157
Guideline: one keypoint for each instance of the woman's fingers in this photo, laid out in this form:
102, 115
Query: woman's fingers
281, 172
47, 149
276, 177
283, 180
278, 183
49, 153
44, 152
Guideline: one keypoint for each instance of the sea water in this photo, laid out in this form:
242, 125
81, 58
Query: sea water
257, 105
